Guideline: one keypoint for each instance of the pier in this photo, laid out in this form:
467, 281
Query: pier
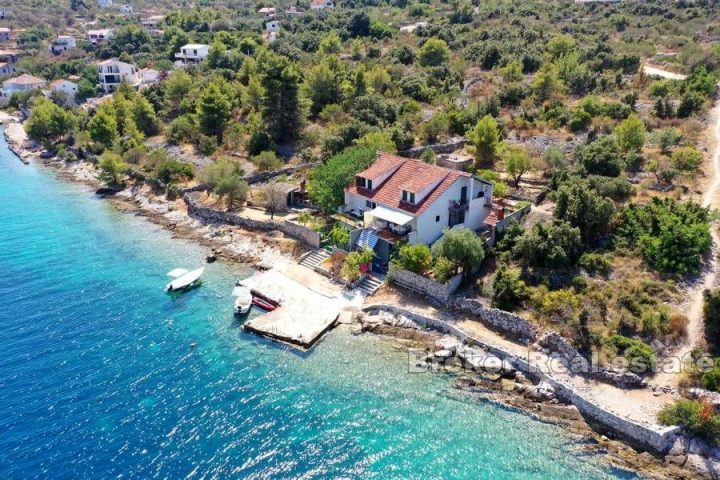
303, 316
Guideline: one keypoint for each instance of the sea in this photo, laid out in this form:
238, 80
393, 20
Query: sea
104, 375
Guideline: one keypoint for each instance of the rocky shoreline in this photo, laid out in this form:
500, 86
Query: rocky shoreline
262, 251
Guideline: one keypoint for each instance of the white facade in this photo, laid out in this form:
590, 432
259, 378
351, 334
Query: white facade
272, 26
62, 44
5, 34
105, 3
322, 4
99, 36
126, 9
422, 210
193, 53
23, 83
65, 86
4, 14
112, 73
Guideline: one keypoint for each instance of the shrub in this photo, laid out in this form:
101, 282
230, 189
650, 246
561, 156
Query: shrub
267, 161
601, 157
594, 263
509, 291
711, 314
640, 355
353, 260
670, 235
711, 379
339, 236
697, 417
258, 142
180, 130
443, 269
416, 258
207, 144
687, 159
553, 246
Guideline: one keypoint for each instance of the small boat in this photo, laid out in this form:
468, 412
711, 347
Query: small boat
264, 304
183, 279
243, 299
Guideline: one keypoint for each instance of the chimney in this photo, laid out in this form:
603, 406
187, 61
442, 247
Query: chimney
501, 212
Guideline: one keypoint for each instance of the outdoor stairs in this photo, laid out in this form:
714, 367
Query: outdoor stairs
371, 284
314, 258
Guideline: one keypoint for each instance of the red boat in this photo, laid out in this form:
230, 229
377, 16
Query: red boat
264, 304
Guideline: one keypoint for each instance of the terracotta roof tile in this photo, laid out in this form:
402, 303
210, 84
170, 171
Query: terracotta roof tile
411, 175
24, 79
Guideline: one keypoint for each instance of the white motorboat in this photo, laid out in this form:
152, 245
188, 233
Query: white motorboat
243, 299
183, 279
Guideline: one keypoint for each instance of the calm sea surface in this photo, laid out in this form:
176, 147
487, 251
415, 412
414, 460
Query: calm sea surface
98, 378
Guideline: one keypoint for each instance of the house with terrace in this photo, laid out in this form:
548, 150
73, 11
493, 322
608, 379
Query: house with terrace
406, 200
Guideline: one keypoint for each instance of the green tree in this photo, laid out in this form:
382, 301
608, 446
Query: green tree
103, 128
322, 85
546, 82
509, 291
328, 181
145, 118
630, 134
517, 162
48, 122
485, 138
711, 314
600, 157
415, 258
223, 167
433, 53
378, 141
111, 169
281, 107
234, 189
213, 110
585, 209
552, 246
463, 247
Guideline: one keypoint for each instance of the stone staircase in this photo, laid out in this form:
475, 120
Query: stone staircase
371, 284
314, 258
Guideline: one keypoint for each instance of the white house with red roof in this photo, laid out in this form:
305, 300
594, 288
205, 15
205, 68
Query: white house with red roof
65, 87
404, 199
21, 84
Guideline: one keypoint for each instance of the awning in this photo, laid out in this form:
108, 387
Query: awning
393, 216
367, 239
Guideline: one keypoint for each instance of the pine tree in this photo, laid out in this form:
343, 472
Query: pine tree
281, 107
213, 110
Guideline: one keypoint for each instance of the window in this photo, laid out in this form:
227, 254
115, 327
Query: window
370, 204
437, 218
408, 197
365, 183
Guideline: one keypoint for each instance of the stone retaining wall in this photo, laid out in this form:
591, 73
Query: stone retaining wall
650, 437
453, 144
513, 217
261, 177
506, 322
424, 285
294, 230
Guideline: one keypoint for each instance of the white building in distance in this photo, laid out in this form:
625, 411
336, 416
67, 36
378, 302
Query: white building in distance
62, 43
193, 53
112, 73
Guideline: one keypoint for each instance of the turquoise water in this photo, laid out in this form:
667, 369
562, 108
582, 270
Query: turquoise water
98, 378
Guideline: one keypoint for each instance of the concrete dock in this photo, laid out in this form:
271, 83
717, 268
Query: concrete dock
303, 316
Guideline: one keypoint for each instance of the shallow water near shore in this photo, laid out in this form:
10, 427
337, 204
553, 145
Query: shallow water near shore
98, 378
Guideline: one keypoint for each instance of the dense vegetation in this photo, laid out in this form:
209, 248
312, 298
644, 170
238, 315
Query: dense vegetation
559, 105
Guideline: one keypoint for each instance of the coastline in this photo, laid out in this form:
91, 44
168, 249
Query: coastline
236, 244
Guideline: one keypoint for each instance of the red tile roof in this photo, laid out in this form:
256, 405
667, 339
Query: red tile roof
411, 175
24, 79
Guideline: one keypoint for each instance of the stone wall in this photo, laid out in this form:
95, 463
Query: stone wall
506, 322
424, 285
261, 177
294, 230
455, 143
513, 217
650, 437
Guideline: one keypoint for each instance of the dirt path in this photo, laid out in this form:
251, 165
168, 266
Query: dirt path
709, 277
